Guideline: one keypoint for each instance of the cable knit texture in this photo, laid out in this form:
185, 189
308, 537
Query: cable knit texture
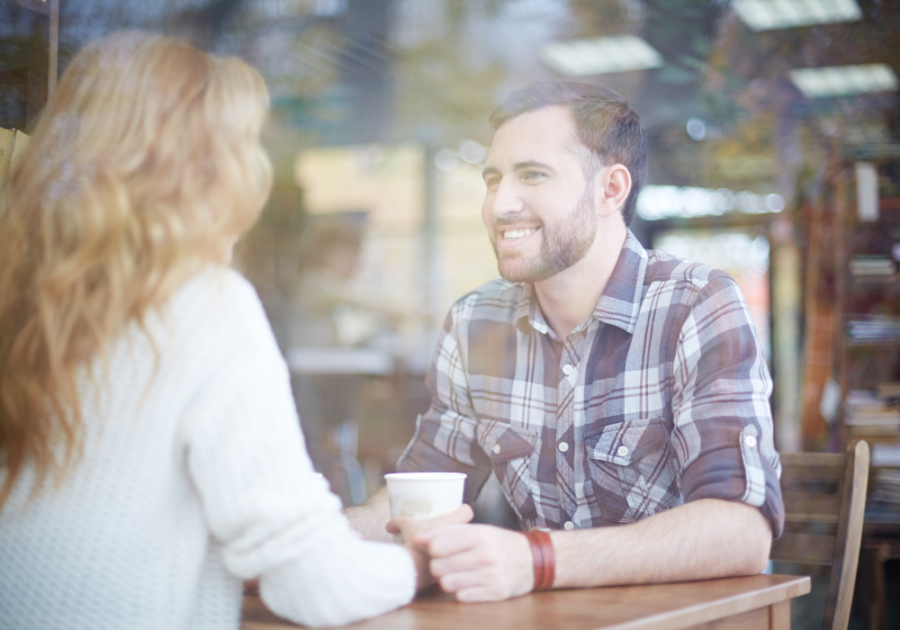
194, 476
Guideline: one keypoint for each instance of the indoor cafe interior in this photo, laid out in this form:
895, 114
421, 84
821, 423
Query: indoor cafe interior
773, 130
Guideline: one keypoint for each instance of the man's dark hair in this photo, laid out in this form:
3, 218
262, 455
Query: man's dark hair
603, 121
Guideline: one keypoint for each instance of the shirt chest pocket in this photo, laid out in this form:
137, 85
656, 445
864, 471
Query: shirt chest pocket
510, 450
632, 469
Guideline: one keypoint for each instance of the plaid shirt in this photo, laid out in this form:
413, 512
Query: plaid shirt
660, 397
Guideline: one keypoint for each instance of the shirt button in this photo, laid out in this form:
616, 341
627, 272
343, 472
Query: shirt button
750, 441
622, 451
496, 448
563, 447
567, 369
569, 525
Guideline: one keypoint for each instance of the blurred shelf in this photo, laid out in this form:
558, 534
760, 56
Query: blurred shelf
870, 151
875, 280
38, 6
889, 204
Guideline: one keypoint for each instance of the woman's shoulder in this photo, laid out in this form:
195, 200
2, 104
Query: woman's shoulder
219, 288
218, 302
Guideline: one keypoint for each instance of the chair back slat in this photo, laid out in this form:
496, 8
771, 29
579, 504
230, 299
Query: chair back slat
824, 497
819, 467
849, 536
804, 548
804, 507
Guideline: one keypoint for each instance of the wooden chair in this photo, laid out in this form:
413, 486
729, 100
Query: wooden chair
824, 499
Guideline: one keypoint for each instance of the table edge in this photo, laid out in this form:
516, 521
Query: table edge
711, 611
683, 618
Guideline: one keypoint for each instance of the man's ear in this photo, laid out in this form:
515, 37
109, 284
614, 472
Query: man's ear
613, 184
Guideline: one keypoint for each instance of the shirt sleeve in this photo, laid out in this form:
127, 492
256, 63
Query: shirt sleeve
445, 438
723, 435
273, 517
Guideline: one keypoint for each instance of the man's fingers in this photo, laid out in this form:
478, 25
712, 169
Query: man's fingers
459, 516
424, 537
466, 561
406, 525
456, 582
474, 586
448, 539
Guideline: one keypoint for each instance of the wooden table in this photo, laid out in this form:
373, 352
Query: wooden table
745, 603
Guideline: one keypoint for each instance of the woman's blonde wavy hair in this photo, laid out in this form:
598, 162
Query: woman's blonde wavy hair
146, 166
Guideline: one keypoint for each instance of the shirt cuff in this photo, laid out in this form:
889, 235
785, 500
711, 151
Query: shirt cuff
737, 473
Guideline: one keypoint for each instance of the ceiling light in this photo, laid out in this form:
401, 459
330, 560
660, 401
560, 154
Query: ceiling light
601, 56
665, 202
764, 15
842, 80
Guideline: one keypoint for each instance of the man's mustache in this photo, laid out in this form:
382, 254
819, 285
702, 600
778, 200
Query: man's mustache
505, 221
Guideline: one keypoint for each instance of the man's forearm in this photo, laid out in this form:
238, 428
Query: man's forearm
370, 518
702, 539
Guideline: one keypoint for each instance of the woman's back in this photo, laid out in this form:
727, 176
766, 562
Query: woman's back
193, 475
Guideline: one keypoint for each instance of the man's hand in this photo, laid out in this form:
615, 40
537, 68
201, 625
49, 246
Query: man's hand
407, 527
479, 563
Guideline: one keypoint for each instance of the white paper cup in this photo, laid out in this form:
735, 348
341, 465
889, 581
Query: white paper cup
425, 495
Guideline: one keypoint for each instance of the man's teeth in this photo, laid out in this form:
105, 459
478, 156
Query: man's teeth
514, 234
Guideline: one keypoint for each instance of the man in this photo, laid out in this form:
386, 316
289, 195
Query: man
605, 385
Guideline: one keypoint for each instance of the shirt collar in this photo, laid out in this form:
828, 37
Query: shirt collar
527, 312
620, 303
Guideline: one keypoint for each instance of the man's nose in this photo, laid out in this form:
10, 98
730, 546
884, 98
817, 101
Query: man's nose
505, 200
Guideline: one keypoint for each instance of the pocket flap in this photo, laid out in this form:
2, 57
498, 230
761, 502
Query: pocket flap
625, 442
503, 442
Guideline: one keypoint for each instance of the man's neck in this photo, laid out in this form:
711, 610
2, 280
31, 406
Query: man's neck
569, 297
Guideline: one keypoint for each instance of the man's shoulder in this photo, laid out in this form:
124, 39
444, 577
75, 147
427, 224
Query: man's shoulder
662, 267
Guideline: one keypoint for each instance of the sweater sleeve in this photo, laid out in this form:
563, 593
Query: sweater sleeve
274, 518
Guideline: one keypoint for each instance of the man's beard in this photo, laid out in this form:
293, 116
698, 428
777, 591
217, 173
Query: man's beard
561, 247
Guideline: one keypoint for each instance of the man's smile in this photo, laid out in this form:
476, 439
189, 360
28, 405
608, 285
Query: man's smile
513, 238
511, 235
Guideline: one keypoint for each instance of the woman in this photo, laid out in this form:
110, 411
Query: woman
150, 454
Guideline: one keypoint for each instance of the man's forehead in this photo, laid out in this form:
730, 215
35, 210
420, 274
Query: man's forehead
548, 128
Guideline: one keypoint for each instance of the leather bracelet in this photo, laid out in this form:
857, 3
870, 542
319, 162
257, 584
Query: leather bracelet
544, 558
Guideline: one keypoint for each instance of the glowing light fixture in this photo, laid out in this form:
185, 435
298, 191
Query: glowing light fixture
843, 80
601, 56
765, 15
665, 202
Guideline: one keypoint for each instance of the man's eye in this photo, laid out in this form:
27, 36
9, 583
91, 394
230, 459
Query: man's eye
532, 176
492, 183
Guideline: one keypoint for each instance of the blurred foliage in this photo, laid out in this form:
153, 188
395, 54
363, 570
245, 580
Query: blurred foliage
761, 131
606, 18
431, 71
681, 30
437, 98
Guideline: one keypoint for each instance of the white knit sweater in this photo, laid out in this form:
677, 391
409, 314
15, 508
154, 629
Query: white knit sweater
194, 477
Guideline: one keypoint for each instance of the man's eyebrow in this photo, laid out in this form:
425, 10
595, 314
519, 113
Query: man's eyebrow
533, 164
490, 170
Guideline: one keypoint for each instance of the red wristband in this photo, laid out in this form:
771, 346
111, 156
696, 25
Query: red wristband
544, 559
